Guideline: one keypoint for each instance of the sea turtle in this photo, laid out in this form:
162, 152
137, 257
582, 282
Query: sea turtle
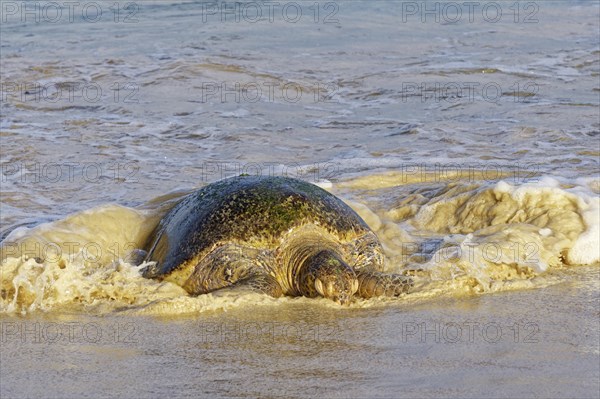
275, 235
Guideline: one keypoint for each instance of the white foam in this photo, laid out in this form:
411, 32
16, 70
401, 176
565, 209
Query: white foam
547, 192
545, 232
324, 184
586, 249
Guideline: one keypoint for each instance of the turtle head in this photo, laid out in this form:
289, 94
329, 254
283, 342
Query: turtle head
326, 274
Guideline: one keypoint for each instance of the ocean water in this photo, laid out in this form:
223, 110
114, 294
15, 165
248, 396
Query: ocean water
466, 135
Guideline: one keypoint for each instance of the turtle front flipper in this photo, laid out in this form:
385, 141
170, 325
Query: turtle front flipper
374, 283
233, 267
261, 282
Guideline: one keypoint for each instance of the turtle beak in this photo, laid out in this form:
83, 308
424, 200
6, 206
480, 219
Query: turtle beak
347, 299
343, 298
